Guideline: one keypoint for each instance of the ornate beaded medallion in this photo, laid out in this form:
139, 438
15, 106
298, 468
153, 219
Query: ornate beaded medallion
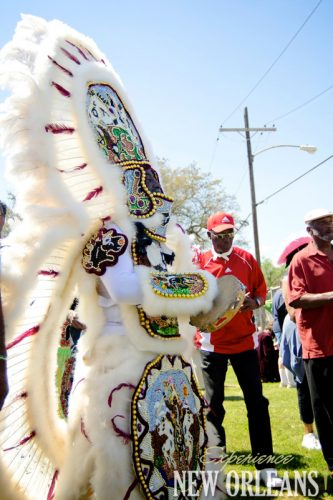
103, 249
168, 427
159, 326
113, 128
179, 286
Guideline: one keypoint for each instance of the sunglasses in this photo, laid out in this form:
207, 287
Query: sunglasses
221, 236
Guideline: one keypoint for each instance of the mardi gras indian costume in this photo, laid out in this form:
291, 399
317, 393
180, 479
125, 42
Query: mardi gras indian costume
95, 225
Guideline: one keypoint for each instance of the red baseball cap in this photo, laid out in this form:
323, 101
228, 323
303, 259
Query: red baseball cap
220, 222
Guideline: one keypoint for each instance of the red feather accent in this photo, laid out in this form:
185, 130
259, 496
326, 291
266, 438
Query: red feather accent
28, 333
118, 388
50, 494
22, 442
65, 70
83, 430
93, 194
51, 272
131, 488
61, 89
126, 437
92, 55
58, 129
105, 219
78, 49
23, 395
68, 54
79, 167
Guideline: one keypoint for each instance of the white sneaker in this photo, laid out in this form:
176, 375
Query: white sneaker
311, 442
270, 478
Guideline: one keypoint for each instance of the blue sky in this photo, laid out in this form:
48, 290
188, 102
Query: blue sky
188, 64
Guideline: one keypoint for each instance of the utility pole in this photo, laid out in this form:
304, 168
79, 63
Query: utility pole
247, 131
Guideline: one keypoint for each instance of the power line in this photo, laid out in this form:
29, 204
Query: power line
292, 182
275, 61
244, 222
213, 154
300, 106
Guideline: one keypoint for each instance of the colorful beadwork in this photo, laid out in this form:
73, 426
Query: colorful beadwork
178, 286
146, 197
103, 250
66, 359
159, 326
113, 128
140, 201
168, 426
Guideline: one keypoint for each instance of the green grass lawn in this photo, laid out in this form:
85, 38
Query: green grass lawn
287, 430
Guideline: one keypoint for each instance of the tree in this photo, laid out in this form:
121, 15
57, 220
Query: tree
196, 196
273, 275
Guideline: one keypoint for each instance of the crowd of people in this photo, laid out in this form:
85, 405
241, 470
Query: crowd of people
303, 314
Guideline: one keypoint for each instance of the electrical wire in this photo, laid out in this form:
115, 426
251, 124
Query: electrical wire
294, 180
274, 62
300, 106
213, 154
244, 222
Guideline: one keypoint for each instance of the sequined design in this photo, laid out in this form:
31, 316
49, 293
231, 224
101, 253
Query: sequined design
163, 206
140, 201
103, 250
146, 197
179, 286
113, 127
159, 326
168, 427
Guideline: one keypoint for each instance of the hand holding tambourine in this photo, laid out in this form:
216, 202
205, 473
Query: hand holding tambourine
231, 293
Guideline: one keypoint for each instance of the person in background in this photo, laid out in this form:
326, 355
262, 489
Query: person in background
310, 292
3, 354
236, 342
279, 311
291, 353
268, 356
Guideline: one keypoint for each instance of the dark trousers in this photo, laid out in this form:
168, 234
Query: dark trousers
246, 367
304, 401
319, 372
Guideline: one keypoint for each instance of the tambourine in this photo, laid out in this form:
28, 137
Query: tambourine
227, 303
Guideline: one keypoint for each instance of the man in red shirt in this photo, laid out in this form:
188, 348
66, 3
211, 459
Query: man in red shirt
237, 342
311, 293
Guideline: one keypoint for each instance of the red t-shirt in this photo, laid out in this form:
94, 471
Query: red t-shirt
240, 333
311, 271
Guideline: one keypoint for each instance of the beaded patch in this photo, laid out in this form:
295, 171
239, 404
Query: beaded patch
103, 250
163, 206
140, 201
146, 197
113, 128
159, 326
168, 427
178, 286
